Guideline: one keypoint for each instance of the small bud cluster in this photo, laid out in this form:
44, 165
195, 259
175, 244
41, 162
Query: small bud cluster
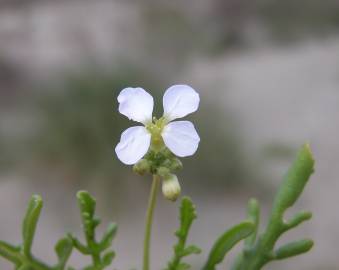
162, 163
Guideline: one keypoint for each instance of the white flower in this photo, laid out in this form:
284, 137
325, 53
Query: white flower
180, 137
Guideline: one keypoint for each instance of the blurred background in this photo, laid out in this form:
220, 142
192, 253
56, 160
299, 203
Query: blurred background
268, 75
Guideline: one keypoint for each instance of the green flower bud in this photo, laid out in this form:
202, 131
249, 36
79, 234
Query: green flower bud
141, 167
176, 164
171, 187
164, 172
168, 153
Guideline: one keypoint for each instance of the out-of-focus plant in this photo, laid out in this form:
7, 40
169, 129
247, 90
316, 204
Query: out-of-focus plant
2, 150
293, 19
227, 23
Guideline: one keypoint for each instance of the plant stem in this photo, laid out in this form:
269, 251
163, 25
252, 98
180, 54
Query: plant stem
149, 221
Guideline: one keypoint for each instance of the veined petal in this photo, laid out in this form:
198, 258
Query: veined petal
133, 145
179, 101
136, 104
181, 138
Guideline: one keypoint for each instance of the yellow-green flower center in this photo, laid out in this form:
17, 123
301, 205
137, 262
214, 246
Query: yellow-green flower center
155, 128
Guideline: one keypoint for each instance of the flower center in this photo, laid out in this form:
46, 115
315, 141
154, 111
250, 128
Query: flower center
155, 128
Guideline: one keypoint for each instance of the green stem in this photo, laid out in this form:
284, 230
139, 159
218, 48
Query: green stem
95, 253
96, 260
149, 221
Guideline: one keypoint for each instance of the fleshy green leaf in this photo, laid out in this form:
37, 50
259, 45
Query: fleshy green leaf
30, 222
298, 219
63, 250
79, 246
295, 179
253, 215
108, 258
107, 238
293, 249
225, 242
190, 250
10, 252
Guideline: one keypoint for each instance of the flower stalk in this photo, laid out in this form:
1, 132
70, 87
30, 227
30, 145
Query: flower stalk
149, 221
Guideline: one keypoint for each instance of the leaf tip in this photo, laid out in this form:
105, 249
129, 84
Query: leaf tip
307, 152
36, 199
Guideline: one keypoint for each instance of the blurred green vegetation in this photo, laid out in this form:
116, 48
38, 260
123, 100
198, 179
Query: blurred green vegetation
294, 19
78, 123
237, 24
4, 156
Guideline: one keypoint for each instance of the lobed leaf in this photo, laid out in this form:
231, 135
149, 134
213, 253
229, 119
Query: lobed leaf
87, 203
21, 255
93, 247
187, 216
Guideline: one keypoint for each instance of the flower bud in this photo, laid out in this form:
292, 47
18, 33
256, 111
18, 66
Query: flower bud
176, 164
167, 153
163, 172
142, 167
171, 187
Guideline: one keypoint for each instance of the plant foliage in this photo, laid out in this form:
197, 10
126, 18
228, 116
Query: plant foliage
23, 259
257, 251
187, 216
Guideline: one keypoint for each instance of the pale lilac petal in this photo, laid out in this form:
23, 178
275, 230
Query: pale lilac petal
133, 145
136, 104
181, 138
179, 101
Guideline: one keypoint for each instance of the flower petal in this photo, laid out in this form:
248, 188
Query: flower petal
179, 101
181, 138
133, 145
136, 104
